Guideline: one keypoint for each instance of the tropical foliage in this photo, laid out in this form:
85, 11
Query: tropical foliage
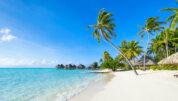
173, 19
130, 49
111, 63
106, 56
162, 45
105, 29
151, 26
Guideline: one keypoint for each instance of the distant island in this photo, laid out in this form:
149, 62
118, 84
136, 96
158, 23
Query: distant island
80, 66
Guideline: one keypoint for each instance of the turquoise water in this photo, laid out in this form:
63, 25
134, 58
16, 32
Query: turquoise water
39, 84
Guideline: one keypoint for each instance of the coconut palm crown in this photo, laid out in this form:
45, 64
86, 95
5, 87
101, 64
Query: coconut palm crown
134, 49
105, 25
152, 25
130, 49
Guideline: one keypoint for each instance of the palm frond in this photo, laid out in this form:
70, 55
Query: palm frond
141, 27
106, 16
170, 17
169, 9
91, 26
106, 35
140, 32
95, 32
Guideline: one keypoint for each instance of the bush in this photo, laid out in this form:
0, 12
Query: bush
153, 67
164, 67
137, 67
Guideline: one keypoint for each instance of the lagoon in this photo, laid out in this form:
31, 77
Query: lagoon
43, 84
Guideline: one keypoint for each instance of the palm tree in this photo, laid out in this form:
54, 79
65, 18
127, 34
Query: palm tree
157, 49
152, 25
106, 56
130, 49
134, 49
105, 29
165, 38
173, 18
175, 36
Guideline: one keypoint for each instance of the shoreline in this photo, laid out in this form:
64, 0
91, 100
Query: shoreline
93, 88
126, 86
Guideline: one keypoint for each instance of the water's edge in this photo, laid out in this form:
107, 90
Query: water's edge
93, 88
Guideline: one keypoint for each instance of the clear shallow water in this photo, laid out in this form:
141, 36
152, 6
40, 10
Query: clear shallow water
39, 84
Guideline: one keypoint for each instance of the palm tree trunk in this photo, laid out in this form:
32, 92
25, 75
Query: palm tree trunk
145, 52
119, 52
167, 46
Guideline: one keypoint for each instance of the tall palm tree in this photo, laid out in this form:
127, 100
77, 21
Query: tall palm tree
105, 29
165, 38
172, 18
152, 25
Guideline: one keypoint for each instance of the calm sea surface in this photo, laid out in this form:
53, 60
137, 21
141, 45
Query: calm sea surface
39, 84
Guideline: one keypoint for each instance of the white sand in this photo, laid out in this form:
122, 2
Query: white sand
126, 86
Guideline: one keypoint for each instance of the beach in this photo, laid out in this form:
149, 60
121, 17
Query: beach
126, 86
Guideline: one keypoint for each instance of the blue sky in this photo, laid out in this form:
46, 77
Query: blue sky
42, 33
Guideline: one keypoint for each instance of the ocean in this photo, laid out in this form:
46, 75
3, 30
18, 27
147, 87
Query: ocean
43, 84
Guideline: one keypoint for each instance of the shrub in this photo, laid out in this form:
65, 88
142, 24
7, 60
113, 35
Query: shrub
137, 67
166, 67
153, 67
158, 68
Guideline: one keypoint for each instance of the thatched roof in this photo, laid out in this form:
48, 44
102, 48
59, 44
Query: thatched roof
171, 60
148, 61
135, 62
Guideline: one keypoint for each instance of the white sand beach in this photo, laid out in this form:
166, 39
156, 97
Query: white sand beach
126, 86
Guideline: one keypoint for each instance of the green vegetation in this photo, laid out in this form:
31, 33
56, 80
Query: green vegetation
173, 19
165, 42
105, 29
113, 64
163, 67
152, 25
130, 49
95, 65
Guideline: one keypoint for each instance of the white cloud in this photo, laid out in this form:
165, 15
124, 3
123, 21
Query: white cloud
11, 62
5, 35
5, 31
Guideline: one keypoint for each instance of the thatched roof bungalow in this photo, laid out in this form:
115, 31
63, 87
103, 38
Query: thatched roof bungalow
148, 61
171, 60
135, 62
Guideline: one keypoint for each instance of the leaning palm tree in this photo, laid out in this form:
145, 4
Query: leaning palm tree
172, 18
105, 29
152, 25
